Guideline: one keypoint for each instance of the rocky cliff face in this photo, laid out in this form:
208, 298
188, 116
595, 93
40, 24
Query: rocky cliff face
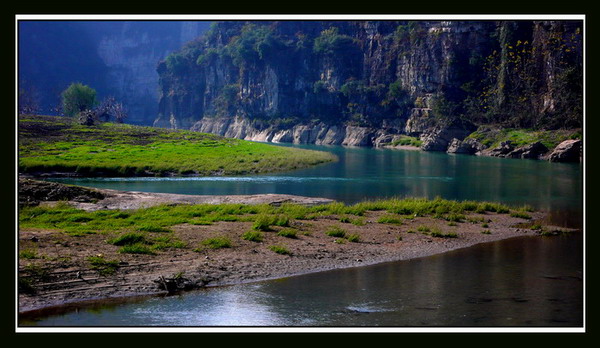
366, 82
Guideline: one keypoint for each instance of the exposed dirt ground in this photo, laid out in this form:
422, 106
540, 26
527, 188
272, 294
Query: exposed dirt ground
63, 273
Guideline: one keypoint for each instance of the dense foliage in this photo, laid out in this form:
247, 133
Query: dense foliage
77, 98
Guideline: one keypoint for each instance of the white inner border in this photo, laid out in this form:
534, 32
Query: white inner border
183, 17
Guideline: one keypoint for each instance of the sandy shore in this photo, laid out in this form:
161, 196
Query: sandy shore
68, 277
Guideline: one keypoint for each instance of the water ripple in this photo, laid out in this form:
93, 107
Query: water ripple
256, 179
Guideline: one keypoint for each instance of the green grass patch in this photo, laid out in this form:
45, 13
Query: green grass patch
406, 140
28, 254
358, 222
288, 233
166, 242
335, 231
102, 266
263, 222
278, 249
492, 137
253, 236
536, 227
436, 232
520, 215
486, 232
345, 219
354, 238
60, 144
455, 217
390, 219
152, 228
425, 229
217, 243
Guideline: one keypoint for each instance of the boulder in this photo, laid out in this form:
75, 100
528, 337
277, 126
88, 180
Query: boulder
467, 146
567, 151
440, 137
531, 151
358, 136
501, 150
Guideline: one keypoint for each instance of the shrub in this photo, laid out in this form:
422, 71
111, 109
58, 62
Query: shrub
353, 87
253, 236
217, 243
335, 231
280, 250
330, 42
77, 98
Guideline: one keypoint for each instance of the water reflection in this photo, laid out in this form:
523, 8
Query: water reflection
525, 281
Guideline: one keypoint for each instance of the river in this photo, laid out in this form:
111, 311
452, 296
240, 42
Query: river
522, 282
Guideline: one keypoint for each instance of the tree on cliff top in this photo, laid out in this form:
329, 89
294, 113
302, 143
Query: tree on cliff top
77, 98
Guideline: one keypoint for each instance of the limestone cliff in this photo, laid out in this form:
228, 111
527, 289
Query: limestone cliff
367, 82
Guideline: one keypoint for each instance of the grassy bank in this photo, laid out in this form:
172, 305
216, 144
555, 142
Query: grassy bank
264, 217
49, 143
67, 253
492, 137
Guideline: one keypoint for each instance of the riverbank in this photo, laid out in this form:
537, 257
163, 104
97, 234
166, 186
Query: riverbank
59, 146
83, 249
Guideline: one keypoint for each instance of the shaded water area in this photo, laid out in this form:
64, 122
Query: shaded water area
530, 281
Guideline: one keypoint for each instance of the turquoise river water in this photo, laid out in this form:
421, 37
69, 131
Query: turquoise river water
521, 282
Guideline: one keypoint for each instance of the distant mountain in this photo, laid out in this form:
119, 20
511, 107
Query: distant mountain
117, 58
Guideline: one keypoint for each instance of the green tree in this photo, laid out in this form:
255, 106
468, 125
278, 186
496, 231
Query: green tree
77, 98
